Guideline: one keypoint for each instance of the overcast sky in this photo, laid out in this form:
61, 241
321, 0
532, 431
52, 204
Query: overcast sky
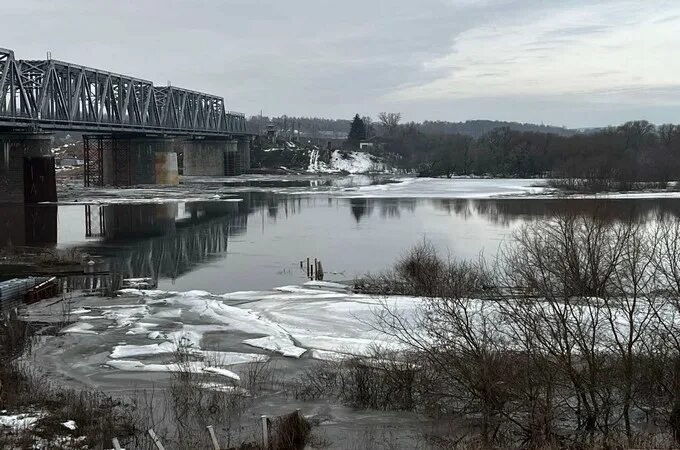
575, 63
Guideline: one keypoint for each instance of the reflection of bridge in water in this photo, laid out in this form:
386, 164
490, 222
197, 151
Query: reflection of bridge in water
169, 240
162, 240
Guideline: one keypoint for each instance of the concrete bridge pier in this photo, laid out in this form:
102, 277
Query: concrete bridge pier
27, 172
216, 157
244, 153
232, 162
145, 160
209, 157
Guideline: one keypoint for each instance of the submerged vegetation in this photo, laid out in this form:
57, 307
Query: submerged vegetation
569, 341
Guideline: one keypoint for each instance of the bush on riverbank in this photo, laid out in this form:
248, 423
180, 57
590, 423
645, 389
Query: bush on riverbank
595, 184
569, 341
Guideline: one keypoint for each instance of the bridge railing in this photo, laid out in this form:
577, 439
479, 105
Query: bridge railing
56, 94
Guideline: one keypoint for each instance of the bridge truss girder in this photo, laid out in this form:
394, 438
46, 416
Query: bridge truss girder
52, 94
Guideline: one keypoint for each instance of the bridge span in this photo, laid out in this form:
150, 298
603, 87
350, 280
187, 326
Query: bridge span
133, 129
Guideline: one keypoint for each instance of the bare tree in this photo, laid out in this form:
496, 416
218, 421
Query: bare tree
668, 265
390, 121
630, 307
455, 335
557, 275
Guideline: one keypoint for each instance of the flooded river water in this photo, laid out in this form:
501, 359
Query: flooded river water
223, 237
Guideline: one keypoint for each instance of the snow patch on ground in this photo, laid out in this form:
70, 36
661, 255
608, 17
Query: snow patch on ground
70, 424
20, 421
350, 162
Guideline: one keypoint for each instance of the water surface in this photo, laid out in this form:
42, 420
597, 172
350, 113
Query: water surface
255, 239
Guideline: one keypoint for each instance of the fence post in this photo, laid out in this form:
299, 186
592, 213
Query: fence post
265, 432
211, 431
116, 444
155, 439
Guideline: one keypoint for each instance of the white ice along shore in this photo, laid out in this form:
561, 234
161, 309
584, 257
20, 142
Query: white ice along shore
318, 320
470, 188
144, 328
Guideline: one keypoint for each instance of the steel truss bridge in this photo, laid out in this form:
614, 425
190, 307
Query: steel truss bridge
55, 95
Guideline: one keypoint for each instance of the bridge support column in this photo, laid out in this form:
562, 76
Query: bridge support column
204, 157
27, 168
133, 161
210, 157
244, 153
232, 162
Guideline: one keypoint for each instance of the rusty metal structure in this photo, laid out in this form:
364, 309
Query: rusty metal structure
55, 95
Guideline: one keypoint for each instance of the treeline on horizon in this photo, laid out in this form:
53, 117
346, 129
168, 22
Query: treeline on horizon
312, 126
626, 157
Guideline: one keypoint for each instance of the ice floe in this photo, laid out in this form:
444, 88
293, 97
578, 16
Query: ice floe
127, 351
278, 344
80, 328
192, 366
319, 320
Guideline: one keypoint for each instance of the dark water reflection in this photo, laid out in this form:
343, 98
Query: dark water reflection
257, 243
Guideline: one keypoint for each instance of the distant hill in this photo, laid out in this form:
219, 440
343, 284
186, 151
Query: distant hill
477, 128
320, 127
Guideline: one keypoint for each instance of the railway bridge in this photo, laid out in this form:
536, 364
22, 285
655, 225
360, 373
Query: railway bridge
133, 131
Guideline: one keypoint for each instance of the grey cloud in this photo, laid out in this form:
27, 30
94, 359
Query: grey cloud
306, 57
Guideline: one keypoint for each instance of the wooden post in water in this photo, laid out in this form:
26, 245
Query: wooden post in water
319, 272
213, 438
155, 439
265, 432
307, 267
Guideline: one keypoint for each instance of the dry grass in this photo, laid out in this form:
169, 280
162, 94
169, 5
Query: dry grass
24, 389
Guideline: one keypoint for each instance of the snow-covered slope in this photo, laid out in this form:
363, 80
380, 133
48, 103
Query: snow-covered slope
351, 162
